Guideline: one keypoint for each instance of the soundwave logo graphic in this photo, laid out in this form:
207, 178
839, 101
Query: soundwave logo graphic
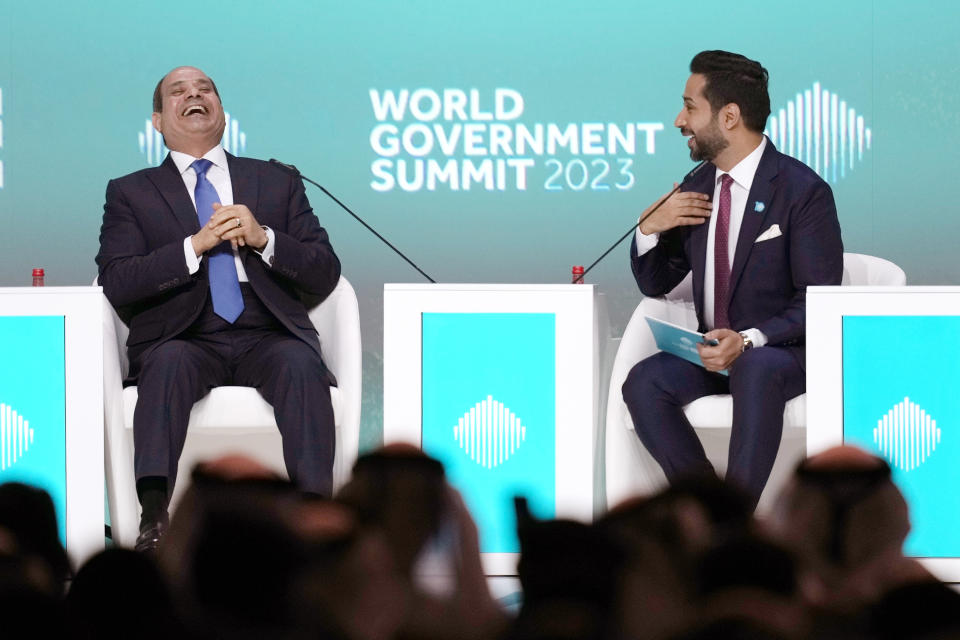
1, 136
489, 433
16, 436
906, 436
822, 131
151, 142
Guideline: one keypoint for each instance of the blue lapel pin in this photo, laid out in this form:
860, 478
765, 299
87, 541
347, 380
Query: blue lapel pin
758, 206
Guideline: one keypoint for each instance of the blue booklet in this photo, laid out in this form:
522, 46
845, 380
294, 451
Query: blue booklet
679, 341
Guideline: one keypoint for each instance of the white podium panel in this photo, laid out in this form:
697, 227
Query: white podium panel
51, 404
882, 371
498, 382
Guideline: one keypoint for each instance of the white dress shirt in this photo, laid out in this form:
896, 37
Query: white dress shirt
742, 174
219, 176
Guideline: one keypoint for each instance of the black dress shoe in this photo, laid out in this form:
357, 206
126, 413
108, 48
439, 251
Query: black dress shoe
151, 533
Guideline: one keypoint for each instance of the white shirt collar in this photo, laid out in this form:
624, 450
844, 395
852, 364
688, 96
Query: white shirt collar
216, 155
746, 169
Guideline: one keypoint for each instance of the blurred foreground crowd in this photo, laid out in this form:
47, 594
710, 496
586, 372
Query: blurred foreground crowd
396, 555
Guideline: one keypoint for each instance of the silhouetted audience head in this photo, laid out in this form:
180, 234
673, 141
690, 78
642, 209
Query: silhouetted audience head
752, 580
666, 537
747, 563
231, 556
662, 537
842, 509
404, 504
847, 522
402, 491
250, 556
728, 508
28, 514
28, 608
569, 572
352, 587
33, 565
686, 517
120, 593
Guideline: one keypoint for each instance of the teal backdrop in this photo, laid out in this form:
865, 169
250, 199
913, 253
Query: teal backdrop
305, 82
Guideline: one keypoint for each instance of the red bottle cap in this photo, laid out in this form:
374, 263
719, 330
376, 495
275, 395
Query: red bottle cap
578, 270
38, 273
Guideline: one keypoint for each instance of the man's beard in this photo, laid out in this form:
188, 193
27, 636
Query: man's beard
708, 143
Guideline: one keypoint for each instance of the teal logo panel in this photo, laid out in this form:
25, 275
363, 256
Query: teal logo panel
900, 402
489, 414
33, 447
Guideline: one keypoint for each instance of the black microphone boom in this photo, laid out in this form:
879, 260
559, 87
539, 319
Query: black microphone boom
295, 171
639, 222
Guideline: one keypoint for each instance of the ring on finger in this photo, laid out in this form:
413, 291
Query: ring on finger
239, 224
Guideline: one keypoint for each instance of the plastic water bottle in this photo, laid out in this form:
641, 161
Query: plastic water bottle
578, 274
38, 277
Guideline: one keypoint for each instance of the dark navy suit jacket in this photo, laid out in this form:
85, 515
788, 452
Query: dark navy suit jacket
768, 279
144, 275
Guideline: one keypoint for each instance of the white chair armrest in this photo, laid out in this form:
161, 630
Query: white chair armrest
118, 466
337, 321
860, 269
630, 470
638, 343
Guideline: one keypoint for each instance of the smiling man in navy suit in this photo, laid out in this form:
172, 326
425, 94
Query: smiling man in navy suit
757, 228
209, 259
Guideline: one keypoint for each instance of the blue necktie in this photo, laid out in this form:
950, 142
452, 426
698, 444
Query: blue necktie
224, 285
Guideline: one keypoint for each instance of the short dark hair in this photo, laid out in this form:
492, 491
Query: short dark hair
733, 78
158, 94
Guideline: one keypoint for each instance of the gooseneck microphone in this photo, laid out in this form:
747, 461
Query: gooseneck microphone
292, 169
692, 173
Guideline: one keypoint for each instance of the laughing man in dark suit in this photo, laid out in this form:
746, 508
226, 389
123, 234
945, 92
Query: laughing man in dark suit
208, 258
757, 228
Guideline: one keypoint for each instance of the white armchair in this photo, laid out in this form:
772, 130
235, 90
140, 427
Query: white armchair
229, 419
630, 469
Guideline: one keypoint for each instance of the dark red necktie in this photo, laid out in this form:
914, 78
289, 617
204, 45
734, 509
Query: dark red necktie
721, 260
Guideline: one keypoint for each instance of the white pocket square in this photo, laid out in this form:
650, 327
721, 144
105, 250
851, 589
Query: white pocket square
769, 234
